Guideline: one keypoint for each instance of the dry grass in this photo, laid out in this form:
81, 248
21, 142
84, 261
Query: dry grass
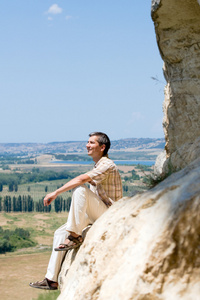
16, 273
27, 265
126, 169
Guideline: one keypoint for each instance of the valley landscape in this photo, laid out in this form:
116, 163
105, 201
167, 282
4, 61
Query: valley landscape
26, 165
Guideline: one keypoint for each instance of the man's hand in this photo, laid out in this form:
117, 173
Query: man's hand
49, 198
81, 179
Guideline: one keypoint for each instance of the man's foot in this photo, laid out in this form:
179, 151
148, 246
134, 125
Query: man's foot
70, 243
45, 284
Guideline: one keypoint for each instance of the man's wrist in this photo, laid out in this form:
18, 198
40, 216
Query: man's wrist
57, 193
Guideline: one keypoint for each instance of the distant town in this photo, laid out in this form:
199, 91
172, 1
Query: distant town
127, 145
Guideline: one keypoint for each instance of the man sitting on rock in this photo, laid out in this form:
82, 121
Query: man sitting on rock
87, 204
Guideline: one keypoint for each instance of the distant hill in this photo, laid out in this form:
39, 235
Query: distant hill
138, 144
130, 144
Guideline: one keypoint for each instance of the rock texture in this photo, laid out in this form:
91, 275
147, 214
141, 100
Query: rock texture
178, 159
144, 248
177, 26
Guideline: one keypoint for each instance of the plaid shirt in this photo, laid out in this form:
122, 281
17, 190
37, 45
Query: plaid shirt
106, 181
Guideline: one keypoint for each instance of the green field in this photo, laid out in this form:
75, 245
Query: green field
36, 190
35, 187
25, 265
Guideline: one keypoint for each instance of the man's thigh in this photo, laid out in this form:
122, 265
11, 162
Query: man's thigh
96, 207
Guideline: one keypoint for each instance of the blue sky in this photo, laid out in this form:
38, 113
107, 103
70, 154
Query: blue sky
72, 67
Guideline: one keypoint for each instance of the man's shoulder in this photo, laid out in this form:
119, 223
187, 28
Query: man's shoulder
105, 160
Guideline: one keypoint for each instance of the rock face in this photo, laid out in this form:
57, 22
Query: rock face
177, 26
178, 159
143, 248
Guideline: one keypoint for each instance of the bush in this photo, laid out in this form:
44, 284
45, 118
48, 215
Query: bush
5, 246
11, 240
153, 179
135, 176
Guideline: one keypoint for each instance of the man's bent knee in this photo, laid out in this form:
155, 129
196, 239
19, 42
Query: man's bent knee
80, 190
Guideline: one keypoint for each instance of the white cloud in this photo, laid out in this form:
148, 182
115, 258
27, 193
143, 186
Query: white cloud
54, 9
50, 18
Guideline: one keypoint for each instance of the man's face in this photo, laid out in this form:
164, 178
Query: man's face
93, 147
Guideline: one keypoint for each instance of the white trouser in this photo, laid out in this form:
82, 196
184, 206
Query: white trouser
86, 207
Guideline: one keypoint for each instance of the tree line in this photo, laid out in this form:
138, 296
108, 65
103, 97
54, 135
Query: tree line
14, 179
26, 204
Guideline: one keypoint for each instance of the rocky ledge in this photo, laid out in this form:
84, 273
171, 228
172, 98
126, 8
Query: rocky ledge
143, 248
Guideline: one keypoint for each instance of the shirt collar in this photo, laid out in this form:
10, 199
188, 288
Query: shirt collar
102, 158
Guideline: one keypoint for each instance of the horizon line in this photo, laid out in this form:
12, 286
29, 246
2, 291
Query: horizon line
71, 141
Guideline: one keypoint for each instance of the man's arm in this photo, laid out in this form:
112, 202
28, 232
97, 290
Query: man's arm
79, 180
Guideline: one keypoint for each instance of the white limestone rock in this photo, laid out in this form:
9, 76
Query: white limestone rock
159, 164
177, 27
178, 160
143, 248
183, 156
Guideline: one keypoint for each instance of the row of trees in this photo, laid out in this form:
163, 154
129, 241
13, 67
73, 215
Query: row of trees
14, 188
35, 176
26, 204
11, 187
17, 204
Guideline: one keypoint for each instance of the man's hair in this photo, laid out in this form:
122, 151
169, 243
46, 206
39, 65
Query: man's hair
103, 139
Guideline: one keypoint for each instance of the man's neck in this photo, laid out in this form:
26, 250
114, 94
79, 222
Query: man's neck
96, 159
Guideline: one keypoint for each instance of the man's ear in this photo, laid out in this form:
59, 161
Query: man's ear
103, 147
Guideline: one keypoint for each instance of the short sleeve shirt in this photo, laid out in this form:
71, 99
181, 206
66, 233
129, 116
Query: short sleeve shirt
105, 180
